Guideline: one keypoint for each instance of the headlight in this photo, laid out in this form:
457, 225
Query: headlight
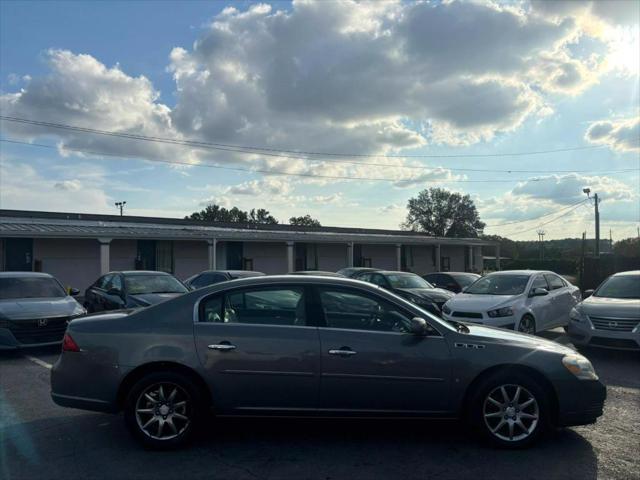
575, 315
580, 367
446, 309
501, 312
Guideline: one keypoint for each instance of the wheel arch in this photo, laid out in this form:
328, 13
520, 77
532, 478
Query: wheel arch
535, 374
139, 372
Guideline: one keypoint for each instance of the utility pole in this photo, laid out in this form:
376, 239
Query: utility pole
584, 241
596, 203
121, 205
541, 233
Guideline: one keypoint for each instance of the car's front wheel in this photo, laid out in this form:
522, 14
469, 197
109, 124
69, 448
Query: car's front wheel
527, 324
162, 409
511, 410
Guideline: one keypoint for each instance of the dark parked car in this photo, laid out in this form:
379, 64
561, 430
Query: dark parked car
131, 289
351, 272
320, 273
34, 309
211, 277
453, 281
410, 286
303, 346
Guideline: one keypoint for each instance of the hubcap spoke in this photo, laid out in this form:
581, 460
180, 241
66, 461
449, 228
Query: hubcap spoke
172, 427
505, 397
529, 416
499, 426
150, 398
160, 429
495, 402
494, 414
145, 410
179, 416
510, 430
161, 393
151, 421
172, 395
516, 397
527, 403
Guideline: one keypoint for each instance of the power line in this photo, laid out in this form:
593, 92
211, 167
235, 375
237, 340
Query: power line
542, 224
272, 172
265, 150
536, 218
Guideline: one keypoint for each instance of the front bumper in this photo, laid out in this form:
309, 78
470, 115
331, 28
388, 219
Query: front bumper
583, 334
9, 342
581, 402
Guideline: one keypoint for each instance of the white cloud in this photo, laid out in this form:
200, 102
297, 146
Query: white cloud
621, 134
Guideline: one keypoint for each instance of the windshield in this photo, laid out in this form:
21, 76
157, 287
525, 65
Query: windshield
30, 287
407, 280
499, 285
138, 284
623, 286
464, 280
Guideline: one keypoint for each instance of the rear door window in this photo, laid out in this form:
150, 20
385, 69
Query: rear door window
259, 306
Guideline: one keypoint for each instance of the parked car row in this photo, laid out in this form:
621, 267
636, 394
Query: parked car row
35, 308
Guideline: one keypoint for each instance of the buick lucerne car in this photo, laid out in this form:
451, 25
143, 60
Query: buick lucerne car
410, 286
525, 300
34, 310
453, 281
316, 346
131, 289
610, 317
211, 277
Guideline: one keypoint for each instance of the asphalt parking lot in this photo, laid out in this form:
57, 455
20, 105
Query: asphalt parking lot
39, 440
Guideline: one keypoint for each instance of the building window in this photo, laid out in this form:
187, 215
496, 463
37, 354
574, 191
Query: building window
155, 255
247, 263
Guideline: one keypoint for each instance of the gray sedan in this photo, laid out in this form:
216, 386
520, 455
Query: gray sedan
610, 317
34, 310
316, 346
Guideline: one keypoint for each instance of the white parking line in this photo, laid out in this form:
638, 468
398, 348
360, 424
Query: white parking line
37, 361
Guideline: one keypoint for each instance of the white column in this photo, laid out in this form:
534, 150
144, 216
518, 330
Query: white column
471, 261
350, 254
398, 256
438, 267
498, 257
213, 260
290, 257
104, 255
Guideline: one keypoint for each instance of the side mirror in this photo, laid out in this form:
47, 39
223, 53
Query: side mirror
74, 291
115, 292
418, 326
539, 292
588, 293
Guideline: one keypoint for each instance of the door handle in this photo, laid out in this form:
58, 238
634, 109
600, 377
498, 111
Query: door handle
223, 347
343, 352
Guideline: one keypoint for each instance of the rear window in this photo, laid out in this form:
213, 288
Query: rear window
30, 287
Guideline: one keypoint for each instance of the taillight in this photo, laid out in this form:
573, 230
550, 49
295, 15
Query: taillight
69, 344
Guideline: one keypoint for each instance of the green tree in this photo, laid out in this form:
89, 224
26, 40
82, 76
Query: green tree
261, 216
306, 221
438, 212
216, 213
629, 247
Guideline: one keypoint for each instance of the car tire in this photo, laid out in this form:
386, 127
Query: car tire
527, 324
514, 395
163, 410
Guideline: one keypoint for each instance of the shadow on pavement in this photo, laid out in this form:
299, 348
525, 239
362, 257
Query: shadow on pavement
98, 446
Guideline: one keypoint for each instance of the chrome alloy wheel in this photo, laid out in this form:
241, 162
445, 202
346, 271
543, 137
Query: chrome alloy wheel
511, 413
163, 411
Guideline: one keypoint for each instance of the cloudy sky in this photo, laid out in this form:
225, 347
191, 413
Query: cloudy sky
400, 96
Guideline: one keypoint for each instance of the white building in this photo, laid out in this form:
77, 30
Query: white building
78, 248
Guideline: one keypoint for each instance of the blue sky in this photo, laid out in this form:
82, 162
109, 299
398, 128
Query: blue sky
374, 78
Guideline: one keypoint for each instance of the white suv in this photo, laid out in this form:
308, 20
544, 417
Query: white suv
523, 300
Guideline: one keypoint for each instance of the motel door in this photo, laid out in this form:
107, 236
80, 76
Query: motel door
18, 254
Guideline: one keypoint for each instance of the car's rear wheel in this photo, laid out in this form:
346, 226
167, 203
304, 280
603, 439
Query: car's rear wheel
511, 410
527, 324
162, 410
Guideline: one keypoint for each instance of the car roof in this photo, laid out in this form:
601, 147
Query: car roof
630, 273
25, 275
394, 272
317, 273
520, 272
233, 272
138, 272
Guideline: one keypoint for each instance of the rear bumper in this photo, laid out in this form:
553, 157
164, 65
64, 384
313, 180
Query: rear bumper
581, 402
582, 334
78, 380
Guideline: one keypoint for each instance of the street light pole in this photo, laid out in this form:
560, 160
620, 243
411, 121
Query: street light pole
596, 205
121, 205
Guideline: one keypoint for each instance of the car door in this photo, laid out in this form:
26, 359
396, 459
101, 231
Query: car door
257, 349
97, 294
562, 300
111, 299
540, 306
371, 364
